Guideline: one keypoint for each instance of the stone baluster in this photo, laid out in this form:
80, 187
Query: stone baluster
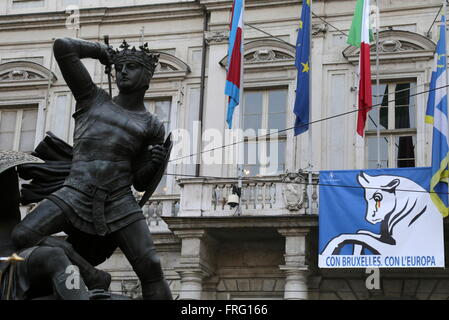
315, 198
259, 195
175, 208
215, 190
273, 195
252, 195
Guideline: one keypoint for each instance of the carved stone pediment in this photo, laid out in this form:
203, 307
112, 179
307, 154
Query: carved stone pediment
18, 74
266, 53
24, 73
170, 67
395, 45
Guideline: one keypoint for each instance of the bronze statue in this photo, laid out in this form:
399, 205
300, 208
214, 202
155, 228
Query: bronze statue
117, 143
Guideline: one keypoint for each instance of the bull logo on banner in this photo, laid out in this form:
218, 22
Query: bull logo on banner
379, 218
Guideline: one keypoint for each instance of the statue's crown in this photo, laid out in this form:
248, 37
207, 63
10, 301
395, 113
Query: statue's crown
143, 56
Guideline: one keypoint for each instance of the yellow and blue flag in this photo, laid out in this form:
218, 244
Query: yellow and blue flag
302, 101
437, 115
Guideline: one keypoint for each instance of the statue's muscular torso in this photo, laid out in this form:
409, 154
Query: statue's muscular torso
106, 140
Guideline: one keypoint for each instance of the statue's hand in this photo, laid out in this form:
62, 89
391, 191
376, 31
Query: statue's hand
105, 55
158, 154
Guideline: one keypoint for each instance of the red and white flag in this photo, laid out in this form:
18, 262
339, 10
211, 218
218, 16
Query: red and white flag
359, 36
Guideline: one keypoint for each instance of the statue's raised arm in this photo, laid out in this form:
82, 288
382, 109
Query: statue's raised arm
68, 53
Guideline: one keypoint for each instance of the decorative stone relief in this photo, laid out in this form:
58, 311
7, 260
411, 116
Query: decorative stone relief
216, 37
163, 67
397, 45
266, 55
21, 75
293, 190
318, 30
388, 46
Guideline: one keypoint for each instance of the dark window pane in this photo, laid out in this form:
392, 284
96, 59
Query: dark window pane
405, 151
402, 94
405, 111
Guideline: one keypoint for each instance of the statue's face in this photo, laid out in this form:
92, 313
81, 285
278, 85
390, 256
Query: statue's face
130, 76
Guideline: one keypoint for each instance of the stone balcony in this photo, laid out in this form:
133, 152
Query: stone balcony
260, 196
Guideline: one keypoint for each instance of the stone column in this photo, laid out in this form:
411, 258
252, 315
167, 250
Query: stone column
295, 268
195, 262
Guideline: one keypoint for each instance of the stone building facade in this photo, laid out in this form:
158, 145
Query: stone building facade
209, 250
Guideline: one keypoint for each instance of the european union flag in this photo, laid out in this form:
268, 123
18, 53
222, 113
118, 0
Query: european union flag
302, 102
437, 114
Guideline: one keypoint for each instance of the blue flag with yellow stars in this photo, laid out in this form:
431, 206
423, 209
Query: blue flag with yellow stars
302, 101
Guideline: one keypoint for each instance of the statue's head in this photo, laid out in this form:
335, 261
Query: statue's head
134, 68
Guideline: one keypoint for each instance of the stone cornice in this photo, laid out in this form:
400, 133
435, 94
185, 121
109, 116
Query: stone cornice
103, 15
226, 4
276, 222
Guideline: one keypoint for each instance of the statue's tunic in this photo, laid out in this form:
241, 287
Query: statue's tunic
96, 196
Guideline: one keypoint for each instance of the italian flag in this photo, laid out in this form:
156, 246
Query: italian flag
359, 36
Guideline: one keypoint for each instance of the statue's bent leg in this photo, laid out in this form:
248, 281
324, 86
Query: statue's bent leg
136, 243
53, 265
45, 220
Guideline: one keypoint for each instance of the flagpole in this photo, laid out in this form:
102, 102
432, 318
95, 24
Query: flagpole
310, 164
379, 165
142, 36
445, 49
240, 154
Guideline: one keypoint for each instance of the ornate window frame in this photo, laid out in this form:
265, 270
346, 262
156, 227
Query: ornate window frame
26, 76
270, 64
